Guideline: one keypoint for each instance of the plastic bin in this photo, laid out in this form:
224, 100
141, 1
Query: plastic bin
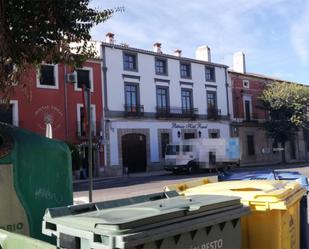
35, 174
274, 221
16, 241
277, 175
157, 221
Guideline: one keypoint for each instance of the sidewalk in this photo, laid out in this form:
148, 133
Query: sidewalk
143, 174
163, 172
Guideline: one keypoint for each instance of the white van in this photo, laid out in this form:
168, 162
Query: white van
193, 154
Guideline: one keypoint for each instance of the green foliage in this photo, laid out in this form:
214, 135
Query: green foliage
33, 31
288, 109
76, 158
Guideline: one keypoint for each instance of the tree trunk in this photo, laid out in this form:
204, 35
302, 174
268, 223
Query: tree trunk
283, 152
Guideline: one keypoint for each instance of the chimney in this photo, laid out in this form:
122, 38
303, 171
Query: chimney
157, 47
109, 38
177, 52
203, 53
239, 62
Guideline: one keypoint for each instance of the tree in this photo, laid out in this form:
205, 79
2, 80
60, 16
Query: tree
33, 31
287, 105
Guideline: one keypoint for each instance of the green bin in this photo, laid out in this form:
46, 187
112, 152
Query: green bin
157, 221
35, 174
17, 241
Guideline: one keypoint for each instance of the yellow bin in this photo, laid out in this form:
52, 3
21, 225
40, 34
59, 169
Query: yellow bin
274, 221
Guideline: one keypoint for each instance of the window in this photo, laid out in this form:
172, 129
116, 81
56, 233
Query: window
250, 145
186, 100
131, 98
162, 98
165, 139
161, 66
245, 83
189, 135
130, 62
211, 99
214, 135
185, 70
82, 121
84, 76
47, 76
9, 113
6, 113
210, 73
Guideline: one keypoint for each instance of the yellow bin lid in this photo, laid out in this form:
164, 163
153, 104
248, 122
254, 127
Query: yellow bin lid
260, 195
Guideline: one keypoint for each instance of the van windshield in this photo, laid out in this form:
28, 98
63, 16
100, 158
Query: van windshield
172, 149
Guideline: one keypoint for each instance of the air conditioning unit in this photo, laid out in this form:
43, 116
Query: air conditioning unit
72, 78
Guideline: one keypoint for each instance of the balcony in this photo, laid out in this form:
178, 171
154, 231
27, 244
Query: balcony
82, 129
252, 117
213, 113
176, 112
134, 110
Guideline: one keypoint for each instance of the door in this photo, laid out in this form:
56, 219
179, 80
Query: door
189, 135
134, 157
165, 139
247, 110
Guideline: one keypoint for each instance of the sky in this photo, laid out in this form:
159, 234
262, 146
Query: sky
273, 34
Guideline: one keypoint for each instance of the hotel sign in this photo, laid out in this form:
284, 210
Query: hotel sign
189, 126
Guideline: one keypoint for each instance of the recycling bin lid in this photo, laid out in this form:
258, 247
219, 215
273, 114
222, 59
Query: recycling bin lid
134, 217
259, 194
265, 175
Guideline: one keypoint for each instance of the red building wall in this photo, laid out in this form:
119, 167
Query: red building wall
256, 87
60, 105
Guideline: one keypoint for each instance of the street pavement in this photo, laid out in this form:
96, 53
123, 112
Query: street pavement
142, 184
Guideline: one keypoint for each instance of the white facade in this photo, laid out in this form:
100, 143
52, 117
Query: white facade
146, 81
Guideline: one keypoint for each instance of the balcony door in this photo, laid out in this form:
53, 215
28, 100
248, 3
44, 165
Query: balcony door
131, 97
162, 100
247, 110
186, 100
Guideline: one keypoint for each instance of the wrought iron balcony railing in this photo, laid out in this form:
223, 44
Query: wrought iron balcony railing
213, 113
176, 112
134, 110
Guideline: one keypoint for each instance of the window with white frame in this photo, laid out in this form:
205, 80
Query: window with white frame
84, 76
82, 120
245, 83
9, 113
47, 76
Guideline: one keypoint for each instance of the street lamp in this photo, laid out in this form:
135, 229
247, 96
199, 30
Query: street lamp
84, 80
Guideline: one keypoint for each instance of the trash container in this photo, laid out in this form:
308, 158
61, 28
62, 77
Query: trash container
35, 174
274, 221
159, 221
277, 175
16, 241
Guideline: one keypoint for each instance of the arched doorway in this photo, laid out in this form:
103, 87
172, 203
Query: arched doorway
134, 156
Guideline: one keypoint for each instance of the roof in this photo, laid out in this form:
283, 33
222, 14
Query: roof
143, 51
263, 76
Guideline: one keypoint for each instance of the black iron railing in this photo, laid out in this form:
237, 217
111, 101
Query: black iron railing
213, 113
134, 110
176, 112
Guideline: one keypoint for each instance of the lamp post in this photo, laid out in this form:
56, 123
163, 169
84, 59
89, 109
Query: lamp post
84, 79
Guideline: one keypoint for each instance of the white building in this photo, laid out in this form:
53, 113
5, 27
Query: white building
152, 98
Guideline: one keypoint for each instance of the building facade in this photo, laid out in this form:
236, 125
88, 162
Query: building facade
51, 99
152, 99
249, 116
